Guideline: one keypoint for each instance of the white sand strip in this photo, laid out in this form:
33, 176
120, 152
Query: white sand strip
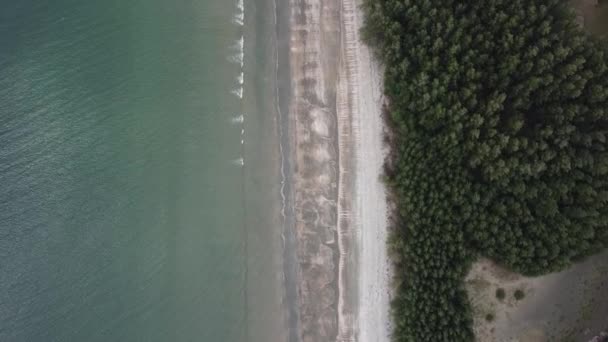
370, 209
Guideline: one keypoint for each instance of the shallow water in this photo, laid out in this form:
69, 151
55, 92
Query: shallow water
139, 180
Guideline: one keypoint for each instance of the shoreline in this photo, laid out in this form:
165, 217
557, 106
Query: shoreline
282, 76
266, 245
335, 143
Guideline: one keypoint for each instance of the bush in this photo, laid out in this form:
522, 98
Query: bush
519, 294
490, 317
500, 293
499, 116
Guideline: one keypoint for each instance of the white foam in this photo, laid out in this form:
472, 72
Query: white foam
242, 131
236, 58
242, 50
239, 18
239, 161
238, 92
239, 55
238, 119
241, 78
242, 141
240, 5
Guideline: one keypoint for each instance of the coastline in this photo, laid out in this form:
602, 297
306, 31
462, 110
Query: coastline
335, 143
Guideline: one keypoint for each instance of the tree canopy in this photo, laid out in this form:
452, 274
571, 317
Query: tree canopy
499, 113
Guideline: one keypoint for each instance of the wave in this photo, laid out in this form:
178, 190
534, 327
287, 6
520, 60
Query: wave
238, 92
238, 119
239, 162
239, 56
239, 18
242, 50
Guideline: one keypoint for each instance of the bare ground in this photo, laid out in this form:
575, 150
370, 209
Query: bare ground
568, 306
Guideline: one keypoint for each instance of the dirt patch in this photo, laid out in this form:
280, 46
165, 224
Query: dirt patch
568, 306
592, 15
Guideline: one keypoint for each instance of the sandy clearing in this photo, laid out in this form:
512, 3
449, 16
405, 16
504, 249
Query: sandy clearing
567, 306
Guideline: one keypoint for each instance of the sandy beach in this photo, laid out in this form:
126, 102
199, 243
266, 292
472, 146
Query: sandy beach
370, 215
340, 209
339, 202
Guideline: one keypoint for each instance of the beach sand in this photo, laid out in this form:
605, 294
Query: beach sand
339, 202
370, 214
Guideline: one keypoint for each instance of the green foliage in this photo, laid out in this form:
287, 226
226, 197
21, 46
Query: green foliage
500, 294
519, 294
490, 317
500, 115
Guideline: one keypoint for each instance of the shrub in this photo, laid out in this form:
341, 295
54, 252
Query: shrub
519, 294
500, 293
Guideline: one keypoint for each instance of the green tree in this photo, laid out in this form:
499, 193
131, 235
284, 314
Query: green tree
499, 114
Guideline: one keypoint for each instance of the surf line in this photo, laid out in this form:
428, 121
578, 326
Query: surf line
239, 19
239, 58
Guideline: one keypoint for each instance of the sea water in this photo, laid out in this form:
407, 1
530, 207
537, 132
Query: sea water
139, 172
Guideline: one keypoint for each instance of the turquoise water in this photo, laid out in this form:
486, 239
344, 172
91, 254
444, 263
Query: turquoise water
125, 212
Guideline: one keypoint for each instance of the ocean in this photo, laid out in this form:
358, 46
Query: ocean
140, 183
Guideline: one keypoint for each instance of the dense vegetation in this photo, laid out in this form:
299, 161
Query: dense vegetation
499, 146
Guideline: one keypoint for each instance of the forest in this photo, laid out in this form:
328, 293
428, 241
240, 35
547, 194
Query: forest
498, 114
